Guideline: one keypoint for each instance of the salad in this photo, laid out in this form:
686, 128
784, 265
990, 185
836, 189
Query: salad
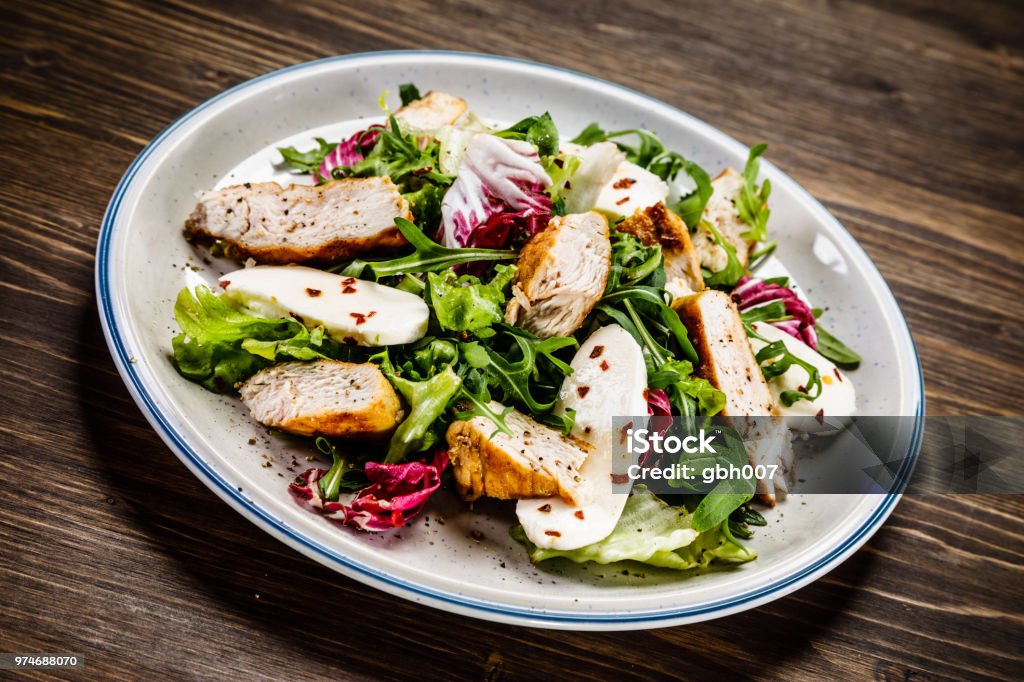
442, 301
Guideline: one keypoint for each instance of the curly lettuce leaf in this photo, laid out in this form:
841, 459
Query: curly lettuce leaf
653, 533
467, 304
220, 346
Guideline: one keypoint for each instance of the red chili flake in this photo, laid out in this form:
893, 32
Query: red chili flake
582, 391
348, 290
360, 318
621, 201
348, 281
371, 313
225, 283
624, 183
553, 533
623, 431
587, 429
619, 479
838, 375
313, 292
820, 416
596, 353
544, 508
604, 365
579, 514
646, 394
801, 388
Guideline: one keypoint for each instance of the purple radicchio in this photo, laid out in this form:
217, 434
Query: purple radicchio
396, 494
751, 292
498, 195
660, 409
348, 152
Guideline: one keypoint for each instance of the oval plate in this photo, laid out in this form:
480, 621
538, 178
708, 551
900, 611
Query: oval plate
454, 558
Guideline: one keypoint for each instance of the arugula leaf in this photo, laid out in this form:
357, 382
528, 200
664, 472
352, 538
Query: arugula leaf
752, 202
691, 207
775, 360
307, 162
728, 276
343, 474
649, 152
516, 379
632, 262
409, 93
836, 351
220, 346
429, 256
540, 131
465, 303
398, 156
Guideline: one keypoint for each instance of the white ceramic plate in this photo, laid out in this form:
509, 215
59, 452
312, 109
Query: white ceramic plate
468, 563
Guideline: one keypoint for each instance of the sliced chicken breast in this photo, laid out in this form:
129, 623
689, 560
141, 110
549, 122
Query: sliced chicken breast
727, 361
335, 221
536, 461
432, 111
659, 225
562, 273
324, 398
721, 212
726, 358
609, 379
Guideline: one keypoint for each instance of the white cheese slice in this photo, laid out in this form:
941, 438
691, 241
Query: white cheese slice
609, 379
350, 310
838, 396
630, 189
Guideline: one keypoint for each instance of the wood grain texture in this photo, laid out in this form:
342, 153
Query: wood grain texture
903, 118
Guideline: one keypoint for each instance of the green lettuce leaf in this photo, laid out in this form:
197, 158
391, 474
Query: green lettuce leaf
465, 303
220, 346
307, 162
427, 401
650, 532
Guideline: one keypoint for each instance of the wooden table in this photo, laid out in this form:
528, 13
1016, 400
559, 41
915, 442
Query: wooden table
903, 118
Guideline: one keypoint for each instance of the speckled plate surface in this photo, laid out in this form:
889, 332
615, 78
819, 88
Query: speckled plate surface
454, 558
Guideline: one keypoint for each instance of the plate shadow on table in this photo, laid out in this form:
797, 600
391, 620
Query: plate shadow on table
320, 619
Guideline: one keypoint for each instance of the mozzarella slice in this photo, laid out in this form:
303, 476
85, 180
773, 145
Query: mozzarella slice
609, 379
838, 396
350, 310
631, 188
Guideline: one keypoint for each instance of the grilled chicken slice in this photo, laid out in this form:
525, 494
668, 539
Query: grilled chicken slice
659, 225
727, 361
432, 111
562, 273
721, 212
338, 220
536, 461
324, 398
726, 358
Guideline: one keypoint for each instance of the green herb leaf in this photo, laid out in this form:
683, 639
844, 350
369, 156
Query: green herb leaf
427, 401
409, 93
752, 202
429, 256
691, 207
727, 277
309, 161
540, 131
836, 351
343, 475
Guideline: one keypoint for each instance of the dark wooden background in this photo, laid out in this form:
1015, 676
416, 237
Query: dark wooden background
903, 118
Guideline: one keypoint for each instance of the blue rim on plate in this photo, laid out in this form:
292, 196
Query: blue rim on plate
480, 608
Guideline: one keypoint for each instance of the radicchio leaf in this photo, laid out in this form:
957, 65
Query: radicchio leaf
396, 494
348, 152
660, 409
498, 195
750, 292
